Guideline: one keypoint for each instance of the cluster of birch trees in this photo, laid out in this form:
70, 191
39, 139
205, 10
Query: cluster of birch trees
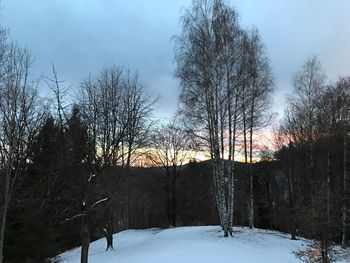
226, 87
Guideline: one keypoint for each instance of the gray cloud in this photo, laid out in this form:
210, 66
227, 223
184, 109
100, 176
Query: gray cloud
82, 36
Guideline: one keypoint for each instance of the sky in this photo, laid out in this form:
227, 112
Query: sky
83, 36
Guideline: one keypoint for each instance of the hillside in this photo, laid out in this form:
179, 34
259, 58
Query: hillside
194, 244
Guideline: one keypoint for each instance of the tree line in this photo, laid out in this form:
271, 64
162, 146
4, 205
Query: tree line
67, 167
312, 145
52, 149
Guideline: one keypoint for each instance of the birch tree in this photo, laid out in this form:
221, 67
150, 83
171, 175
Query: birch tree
207, 55
308, 84
259, 94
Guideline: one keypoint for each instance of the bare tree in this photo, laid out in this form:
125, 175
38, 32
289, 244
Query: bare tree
138, 108
67, 127
226, 84
102, 110
118, 112
260, 88
341, 99
21, 116
59, 101
333, 122
170, 148
207, 56
344, 239
301, 116
286, 155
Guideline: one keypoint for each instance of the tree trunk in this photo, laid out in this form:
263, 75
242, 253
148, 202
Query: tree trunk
251, 196
344, 237
3, 228
312, 189
128, 161
223, 195
171, 206
291, 191
122, 153
328, 188
232, 159
251, 183
244, 119
7, 195
324, 252
109, 229
173, 218
109, 235
246, 162
85, 240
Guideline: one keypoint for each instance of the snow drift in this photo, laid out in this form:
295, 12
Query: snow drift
193, 244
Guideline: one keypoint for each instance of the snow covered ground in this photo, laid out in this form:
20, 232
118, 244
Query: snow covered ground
193, 244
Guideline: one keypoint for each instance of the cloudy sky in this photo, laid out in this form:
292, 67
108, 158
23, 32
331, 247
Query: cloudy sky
82, 36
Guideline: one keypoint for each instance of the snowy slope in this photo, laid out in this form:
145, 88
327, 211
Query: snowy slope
193, 244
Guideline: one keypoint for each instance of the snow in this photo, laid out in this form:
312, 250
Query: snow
99, 202
91, 176
204, 244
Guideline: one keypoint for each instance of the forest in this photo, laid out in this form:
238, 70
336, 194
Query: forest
83, 164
